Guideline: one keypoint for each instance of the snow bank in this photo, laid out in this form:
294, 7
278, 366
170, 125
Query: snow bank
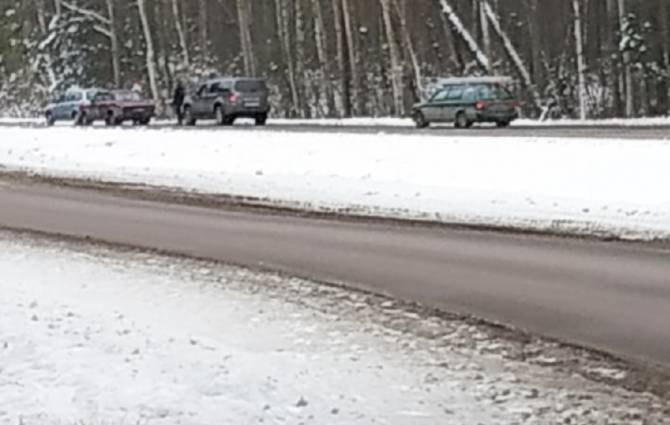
94, 336
613, 187
407, 122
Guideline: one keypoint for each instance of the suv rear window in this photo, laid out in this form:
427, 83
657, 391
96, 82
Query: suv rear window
250, 86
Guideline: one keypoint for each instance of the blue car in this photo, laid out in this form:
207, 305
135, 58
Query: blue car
71, 106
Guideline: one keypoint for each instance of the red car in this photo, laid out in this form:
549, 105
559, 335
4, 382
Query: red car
118, 106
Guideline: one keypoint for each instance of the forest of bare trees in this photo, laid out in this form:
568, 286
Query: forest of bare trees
584, 58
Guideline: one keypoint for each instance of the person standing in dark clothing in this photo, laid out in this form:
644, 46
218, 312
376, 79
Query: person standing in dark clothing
178, 101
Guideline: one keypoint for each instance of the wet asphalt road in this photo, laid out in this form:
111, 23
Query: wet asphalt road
604, 131
611, 296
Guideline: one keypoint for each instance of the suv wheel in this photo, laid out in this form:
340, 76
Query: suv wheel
219, 115
420, 120
462, 121
261, 119
502, 124
229, 120
50, 119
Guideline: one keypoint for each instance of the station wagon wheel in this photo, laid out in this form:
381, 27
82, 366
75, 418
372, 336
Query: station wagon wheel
462, 121
261, 119
420, 120
50, 119
503, 124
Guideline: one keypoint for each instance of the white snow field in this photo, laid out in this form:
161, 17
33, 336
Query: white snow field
90, 335
584, 186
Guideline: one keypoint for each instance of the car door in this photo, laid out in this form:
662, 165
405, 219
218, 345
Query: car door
198, 102
213, 92
72, 104
63, 107
432, 111
453, 103
56, 107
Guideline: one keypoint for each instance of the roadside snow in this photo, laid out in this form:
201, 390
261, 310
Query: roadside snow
382, 122
94, 336
612, 187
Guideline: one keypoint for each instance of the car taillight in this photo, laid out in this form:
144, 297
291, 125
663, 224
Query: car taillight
232, 98
480, 106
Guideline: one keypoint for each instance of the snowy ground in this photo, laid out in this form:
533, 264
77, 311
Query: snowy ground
90, 335
611, 187
407, 122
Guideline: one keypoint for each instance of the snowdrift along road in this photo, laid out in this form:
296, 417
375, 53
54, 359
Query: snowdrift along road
611, 188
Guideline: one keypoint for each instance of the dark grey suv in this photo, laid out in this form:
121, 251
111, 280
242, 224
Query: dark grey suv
226, 99
465, 101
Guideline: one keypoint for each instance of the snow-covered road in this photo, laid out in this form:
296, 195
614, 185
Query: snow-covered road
613, 187
97, 336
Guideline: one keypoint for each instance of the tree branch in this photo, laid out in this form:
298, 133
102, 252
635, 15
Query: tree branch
86, 12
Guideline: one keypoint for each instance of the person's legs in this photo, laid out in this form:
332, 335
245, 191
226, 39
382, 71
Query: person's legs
179, 111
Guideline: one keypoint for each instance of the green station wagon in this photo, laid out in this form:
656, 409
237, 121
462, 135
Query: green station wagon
466, 101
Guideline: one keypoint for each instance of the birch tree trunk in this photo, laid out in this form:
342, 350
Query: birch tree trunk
520, 66
180, 33
202, 27
486, 35
456, 22
44, 29
581, 67
628, 74
284, 34
243, 15
150, 52
401, 9
303, 88
114, 43
535, 41
321, 43
613, 25
662, 86
351, 51
396, 68
345, 82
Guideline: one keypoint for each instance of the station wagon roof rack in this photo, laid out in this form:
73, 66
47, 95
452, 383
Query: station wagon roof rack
474, 80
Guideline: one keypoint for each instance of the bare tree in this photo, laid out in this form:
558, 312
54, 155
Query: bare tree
105, 25
628, 74
283, 26
243, 15
180, 33
150, 52
513, 54
351, 51
203, 26
581, 66
321, 44
394, 55
401, 9
460, 29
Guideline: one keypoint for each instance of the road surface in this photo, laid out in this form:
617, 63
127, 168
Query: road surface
603, 131
610, 296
